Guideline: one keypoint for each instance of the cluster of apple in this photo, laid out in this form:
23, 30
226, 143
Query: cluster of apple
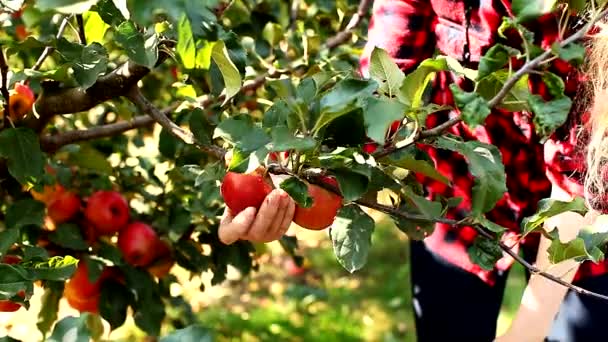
20, 101
104, 215
243, 190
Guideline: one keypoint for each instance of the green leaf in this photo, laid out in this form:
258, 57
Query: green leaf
351, 236
495, 59
193, 333
276, 115
384, 70
424, 167
113, 303
186, 49
485, 253
474, 109
414, 229
298, 190
13, 279
574, 52
94, 27
549, 116
139, 49
149, 309
89, 158
231, 75
242, 132
92, 64
110, 13
548, 208
88, 62
491, 226
379, 115
485, 164
49, 307
25, 212
416, 82
283, 140
56, 268
528, 10
517, 98
427, 208
71, 329
8, 238
20, 146
200, 126
554, 83
342, 98
65, 6
69, 236
353, 184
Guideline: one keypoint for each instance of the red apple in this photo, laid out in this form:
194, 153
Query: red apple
64, 207
82, 294
138, 243
108, 211
293, 269
164, 261
323, 211
241, 191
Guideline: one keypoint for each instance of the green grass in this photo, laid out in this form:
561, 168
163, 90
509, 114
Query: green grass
329, 304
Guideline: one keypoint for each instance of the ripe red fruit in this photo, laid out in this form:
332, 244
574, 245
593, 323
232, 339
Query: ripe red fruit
10, 306
64, 207
163, 262
82, 294
241, 191
323, 211
20, 101
108, 211
138, 243
293, 269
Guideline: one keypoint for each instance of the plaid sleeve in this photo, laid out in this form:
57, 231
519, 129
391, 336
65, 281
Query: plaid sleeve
404, 29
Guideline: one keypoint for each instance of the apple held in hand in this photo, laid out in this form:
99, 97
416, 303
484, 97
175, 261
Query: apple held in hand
324, 208
138, 243
243, 190
108, 211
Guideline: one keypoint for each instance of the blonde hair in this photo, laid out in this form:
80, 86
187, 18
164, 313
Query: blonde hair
597, 127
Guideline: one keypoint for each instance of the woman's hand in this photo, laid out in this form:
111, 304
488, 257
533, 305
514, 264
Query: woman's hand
269, 223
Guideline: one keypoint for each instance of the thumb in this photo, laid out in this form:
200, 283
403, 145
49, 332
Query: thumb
230, 232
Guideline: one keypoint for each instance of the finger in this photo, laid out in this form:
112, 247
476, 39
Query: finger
227, 216
275, 228
237, 228
266, 215
285, 222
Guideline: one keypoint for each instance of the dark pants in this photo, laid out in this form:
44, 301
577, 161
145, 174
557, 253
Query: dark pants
451, 304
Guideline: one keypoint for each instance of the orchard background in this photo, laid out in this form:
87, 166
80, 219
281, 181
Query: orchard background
121, 120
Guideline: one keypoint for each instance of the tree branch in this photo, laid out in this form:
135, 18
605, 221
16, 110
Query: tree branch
345, 35
51, 143
186, 136
4, 87
503, 92
81, 34
315, 178
49, 49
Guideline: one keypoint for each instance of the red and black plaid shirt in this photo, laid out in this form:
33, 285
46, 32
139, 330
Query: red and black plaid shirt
411, 31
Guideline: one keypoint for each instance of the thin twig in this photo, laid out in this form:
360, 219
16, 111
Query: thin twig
315, 178
186, 136
343, 36
51, 143
49, 49
81, 34
502, 93
4, 87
